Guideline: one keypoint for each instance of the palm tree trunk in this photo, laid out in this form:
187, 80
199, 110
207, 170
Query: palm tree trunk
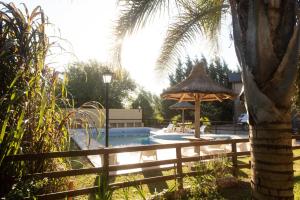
266, 36
271, 161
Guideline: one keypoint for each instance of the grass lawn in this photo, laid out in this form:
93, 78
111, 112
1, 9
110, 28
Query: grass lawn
241, 191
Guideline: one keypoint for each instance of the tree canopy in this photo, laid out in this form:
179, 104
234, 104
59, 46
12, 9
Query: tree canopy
144, 101
85, 84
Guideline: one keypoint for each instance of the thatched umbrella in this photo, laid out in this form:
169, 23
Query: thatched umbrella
182, 106
198, 86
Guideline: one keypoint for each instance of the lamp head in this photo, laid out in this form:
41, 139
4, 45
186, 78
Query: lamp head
107, 77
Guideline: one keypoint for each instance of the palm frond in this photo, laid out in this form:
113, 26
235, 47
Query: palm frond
134, 15
201, 17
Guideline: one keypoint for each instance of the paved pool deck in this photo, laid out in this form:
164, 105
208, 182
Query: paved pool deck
84, 142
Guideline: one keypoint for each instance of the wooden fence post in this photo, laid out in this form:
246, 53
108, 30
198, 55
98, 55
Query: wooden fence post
234, 159
179, 167
70, 187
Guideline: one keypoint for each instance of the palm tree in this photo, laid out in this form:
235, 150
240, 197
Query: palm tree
266, 38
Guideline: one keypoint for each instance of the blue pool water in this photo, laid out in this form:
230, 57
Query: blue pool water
142, 136
126, 141
125, 136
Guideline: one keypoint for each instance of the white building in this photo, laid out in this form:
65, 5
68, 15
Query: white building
117, 117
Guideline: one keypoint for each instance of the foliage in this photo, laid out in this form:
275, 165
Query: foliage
30, 188
218, 111
104, 193
176, 118
192, 18
86, 114
126, 193
31, 120
86, 84
159, 118
156, 108
140, 192
167, 194
144, 101
27, 188
165, 111
204, 185
205, 121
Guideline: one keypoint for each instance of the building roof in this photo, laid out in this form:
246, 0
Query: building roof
235, 77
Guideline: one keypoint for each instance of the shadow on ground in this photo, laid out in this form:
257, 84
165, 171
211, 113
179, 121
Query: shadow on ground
242, 191
154, 187
296, 179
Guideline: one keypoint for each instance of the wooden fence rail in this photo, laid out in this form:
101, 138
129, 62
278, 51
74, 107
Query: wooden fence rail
106, 168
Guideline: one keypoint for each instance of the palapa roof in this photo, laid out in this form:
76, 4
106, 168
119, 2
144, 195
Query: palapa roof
198, 85
182, 106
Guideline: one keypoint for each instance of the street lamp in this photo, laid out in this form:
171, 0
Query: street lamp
106, 79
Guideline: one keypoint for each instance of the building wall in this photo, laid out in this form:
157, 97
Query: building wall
117, 117
125, 118
239, 107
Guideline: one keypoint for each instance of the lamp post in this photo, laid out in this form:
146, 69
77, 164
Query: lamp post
106, 79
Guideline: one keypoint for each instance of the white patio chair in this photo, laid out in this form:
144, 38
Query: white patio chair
202, 128
150, 155
169, 128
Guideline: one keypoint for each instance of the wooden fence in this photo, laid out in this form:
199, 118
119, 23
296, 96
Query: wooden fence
178, 162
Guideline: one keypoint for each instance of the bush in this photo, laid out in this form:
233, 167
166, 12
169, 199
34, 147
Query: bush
204, 185
176, 119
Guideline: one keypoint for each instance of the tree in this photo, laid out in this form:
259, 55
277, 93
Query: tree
266, 38
144, 101
179, 74
218, 111
86, 84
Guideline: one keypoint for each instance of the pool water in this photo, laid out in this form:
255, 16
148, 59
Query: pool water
125, 136
126, 141
145, 136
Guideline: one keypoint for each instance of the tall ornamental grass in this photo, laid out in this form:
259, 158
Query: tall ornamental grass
31, 93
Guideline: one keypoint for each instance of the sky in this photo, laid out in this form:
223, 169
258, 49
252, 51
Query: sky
85, 27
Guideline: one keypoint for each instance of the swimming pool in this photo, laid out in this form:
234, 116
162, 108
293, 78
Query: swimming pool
117, 141
144, 136
123, 136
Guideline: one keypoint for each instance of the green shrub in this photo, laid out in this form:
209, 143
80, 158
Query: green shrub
176, 119
204, 184
205, 121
